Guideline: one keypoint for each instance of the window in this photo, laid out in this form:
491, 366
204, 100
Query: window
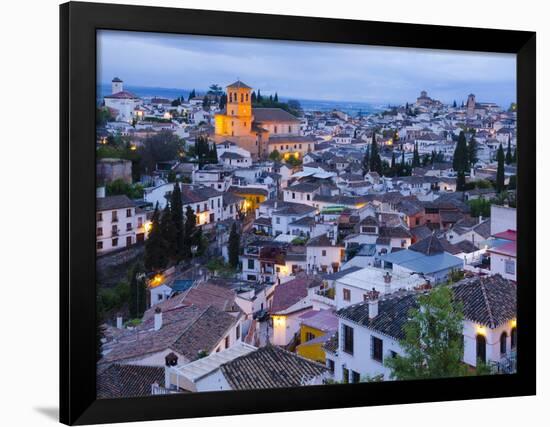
330, 365
211, 204
140, 222
347, 294
128, 213
510, 266
198, 208
324, 252
227, 341
238, 332
242, 97
159, 297
114, 243
114, 216
128, 226
247, 97
377, 349
99, 231
251, 264
251, 277
99, 245
128, 240
275, 129
99, 217
347, 334
293, 195
513, 338
277, 220
345, 375
503, 339
355, 377
289, 129
309, 336
481, 345
308, 197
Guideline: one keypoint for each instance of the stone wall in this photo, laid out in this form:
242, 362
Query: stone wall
108, 170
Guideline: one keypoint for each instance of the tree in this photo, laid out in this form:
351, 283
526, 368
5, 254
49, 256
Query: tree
500, 169
276, 97
416, 157
460, 157
375, 160
192, 94
138, 292
215, 90
472, 152
168, 232
392, 165
460, 181
214, 153
189, 232
177, 218
223, 101
275, 156
206, 103
509, 157
253, 97
366, 161
454, 104
155, 254
259, 97
480, 207
233, 246
433, 339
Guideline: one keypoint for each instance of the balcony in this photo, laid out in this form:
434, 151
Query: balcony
114, 232
506, 365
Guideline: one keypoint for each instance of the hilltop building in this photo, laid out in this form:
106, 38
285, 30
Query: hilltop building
252, 128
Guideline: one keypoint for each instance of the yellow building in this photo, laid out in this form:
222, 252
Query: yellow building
315, 329
251, 128
253, 197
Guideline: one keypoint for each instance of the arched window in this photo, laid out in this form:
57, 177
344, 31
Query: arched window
503, 339
242, 97
481, 345
230, 96
513, 338
247, 97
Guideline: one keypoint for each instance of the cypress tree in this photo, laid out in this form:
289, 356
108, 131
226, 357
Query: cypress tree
460, 157
214, 153
253, 97
375, 161
168, 232
402, 166
500, 169
177, 218
515, 156
509, 157
189, 232
460, 181
276, 97
366, 161
392, 165
155, 255
416, 157
472, 151
233, 246
138, 293
259, 97
192, 94
223, 101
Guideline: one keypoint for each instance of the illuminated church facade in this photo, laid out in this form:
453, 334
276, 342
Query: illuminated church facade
259, 130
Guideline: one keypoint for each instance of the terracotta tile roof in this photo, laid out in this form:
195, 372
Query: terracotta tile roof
186, 330
239, 85
270, 367
428, 246
113, 202
322, 241
128, 381
289, 293
262, 115
489, 301
122, 95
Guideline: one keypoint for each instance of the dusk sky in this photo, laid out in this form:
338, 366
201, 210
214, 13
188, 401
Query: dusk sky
300, 70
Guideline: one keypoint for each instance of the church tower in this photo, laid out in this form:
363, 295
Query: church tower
471, 105
116, 86
237, 120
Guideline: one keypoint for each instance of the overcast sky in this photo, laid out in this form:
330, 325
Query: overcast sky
303, 70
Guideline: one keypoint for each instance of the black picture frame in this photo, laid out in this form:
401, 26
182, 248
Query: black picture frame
78, 25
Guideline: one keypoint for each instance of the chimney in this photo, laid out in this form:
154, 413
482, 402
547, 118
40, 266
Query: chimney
171, 359
119, 321
480, 219
158, 318
100, 192
387, 283
373, 308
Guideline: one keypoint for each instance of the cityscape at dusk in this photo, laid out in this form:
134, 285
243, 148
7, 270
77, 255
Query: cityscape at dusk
285, 214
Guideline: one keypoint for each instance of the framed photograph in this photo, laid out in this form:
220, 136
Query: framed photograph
267, 213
